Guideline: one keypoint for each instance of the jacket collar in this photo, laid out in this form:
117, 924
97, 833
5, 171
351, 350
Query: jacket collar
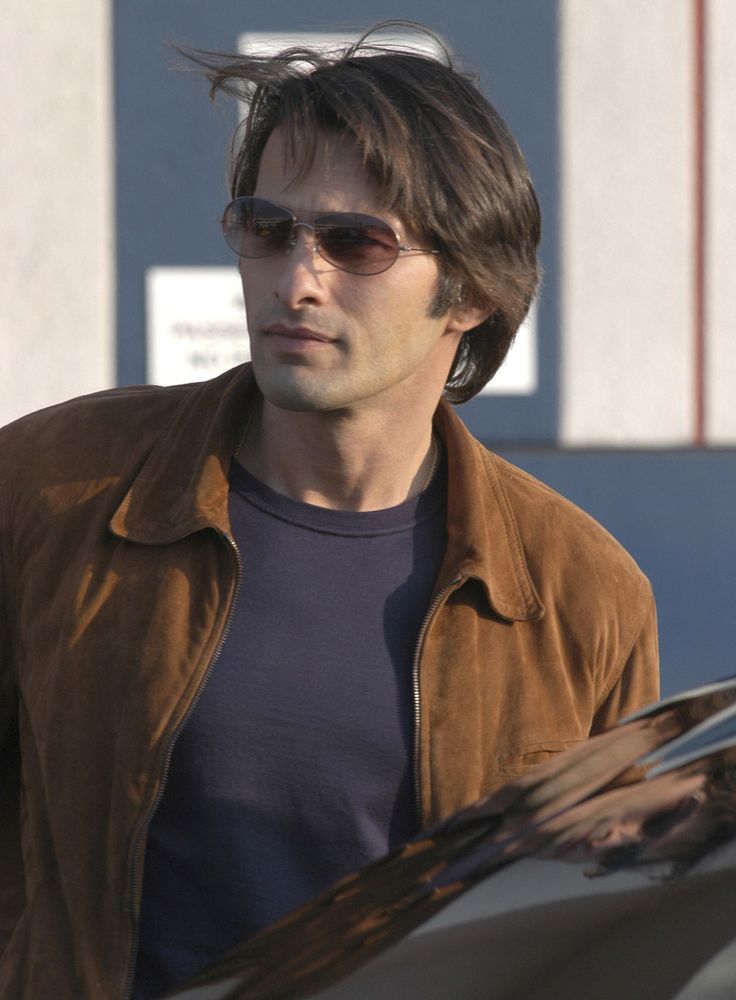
483, 540
182, 488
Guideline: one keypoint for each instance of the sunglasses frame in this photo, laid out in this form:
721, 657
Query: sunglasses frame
317, 227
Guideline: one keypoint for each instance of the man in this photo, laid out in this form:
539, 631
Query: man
259, 630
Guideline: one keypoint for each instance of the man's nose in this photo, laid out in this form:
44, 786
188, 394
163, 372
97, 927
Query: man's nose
301, 271
308, 234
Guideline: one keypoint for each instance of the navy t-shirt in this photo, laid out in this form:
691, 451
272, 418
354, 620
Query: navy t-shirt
294, 767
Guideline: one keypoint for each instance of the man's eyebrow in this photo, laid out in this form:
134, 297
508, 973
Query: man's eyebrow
312, 214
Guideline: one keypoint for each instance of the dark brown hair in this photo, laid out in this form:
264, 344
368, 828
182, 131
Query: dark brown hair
442, 157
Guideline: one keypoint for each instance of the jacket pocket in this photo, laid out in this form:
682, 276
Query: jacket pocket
519, 760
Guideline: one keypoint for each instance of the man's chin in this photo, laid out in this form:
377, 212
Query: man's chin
299, 394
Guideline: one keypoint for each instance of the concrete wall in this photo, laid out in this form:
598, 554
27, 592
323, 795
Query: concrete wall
56, 226
721, 234
627, 222
631, 348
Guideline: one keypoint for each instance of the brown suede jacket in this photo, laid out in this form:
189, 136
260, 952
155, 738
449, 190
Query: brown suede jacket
117, 575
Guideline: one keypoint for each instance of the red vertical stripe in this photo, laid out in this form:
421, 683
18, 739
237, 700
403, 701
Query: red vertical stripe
699, 275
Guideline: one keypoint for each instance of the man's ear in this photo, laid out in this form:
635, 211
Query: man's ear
464, 317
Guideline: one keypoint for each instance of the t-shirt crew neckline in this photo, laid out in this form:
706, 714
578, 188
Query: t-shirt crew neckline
341, 522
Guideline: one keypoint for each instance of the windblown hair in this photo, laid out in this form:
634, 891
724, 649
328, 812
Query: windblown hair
441, 156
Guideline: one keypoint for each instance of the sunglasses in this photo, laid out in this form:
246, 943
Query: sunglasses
359, 244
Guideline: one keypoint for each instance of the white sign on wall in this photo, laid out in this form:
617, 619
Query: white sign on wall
517, 376
196, 323
268, 43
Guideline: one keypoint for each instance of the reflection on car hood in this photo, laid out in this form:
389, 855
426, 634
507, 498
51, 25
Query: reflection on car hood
652, 799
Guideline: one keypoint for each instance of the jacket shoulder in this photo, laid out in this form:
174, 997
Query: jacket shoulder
95, 414
98, 437
558, 535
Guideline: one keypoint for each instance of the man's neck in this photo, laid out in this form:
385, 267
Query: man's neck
342, 461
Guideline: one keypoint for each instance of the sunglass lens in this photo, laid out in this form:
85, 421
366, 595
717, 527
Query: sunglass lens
359, 244
256, 228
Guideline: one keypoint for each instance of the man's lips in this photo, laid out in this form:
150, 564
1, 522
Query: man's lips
297, 333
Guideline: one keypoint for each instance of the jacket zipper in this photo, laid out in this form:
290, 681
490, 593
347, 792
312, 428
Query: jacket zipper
417, 694
136, 872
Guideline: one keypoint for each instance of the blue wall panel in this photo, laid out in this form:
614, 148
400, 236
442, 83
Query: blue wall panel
170, 146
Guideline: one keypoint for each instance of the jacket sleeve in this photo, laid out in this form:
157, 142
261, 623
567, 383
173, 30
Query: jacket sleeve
637, 684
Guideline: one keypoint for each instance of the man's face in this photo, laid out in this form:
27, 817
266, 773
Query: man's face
322, 339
